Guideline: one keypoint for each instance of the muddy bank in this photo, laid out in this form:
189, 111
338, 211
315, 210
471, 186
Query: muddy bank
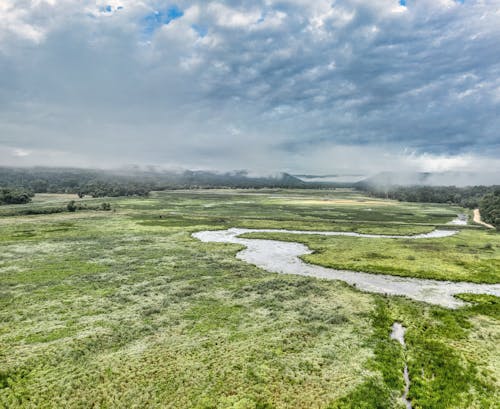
283, 257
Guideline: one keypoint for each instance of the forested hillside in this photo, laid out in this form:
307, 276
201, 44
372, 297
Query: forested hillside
100, 183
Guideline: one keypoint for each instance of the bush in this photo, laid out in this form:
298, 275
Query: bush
15, 196
71, 206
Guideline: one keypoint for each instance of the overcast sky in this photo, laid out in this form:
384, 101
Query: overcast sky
336, 86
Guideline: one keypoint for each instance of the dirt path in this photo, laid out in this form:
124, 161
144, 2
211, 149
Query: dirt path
477, 219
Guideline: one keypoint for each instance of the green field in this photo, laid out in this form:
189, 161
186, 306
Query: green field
124, 309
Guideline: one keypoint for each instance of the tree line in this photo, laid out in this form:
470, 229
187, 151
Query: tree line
486, 198
489, 206
23, 183
101, 183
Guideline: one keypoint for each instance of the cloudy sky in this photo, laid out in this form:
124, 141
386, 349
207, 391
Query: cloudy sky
335, 86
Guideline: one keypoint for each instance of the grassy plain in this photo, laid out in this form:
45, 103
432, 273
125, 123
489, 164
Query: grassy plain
125, 309
469, 256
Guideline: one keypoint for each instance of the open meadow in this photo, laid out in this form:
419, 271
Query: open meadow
123, 308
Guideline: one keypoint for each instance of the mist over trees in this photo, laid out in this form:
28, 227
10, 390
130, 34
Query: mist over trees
469, 197
78, 181
18, 185
98, 183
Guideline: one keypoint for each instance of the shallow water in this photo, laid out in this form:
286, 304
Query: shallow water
460, 220
398, 334
283, 257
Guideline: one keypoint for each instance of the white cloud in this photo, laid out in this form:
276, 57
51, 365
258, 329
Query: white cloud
226, 16
307, 85
15, 21
20, 152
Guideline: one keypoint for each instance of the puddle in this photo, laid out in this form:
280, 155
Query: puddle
460, 220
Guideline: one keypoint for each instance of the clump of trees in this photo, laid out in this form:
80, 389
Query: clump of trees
73, 206
15, 196
99, 188
489, 207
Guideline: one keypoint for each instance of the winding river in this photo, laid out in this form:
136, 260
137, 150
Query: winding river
283, 257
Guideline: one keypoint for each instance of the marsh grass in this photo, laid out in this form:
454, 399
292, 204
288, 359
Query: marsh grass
463, 257
126, 309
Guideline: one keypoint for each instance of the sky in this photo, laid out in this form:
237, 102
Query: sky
317, 87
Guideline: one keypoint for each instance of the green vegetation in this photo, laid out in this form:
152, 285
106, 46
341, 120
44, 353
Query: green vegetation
490, 208
132, 181
14, 196
43, 208
126, 309
464, 196
469, 256
73, 206
487, 198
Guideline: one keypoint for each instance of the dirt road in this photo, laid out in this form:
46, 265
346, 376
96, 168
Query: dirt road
477, 219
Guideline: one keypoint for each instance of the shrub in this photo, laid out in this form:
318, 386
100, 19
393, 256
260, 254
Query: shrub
71, 206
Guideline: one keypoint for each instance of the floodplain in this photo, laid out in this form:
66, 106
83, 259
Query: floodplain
125, 308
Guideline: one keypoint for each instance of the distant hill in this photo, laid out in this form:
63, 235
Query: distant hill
334, 180
89, 181
239, 179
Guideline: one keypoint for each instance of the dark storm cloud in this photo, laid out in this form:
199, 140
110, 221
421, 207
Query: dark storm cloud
265, 85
